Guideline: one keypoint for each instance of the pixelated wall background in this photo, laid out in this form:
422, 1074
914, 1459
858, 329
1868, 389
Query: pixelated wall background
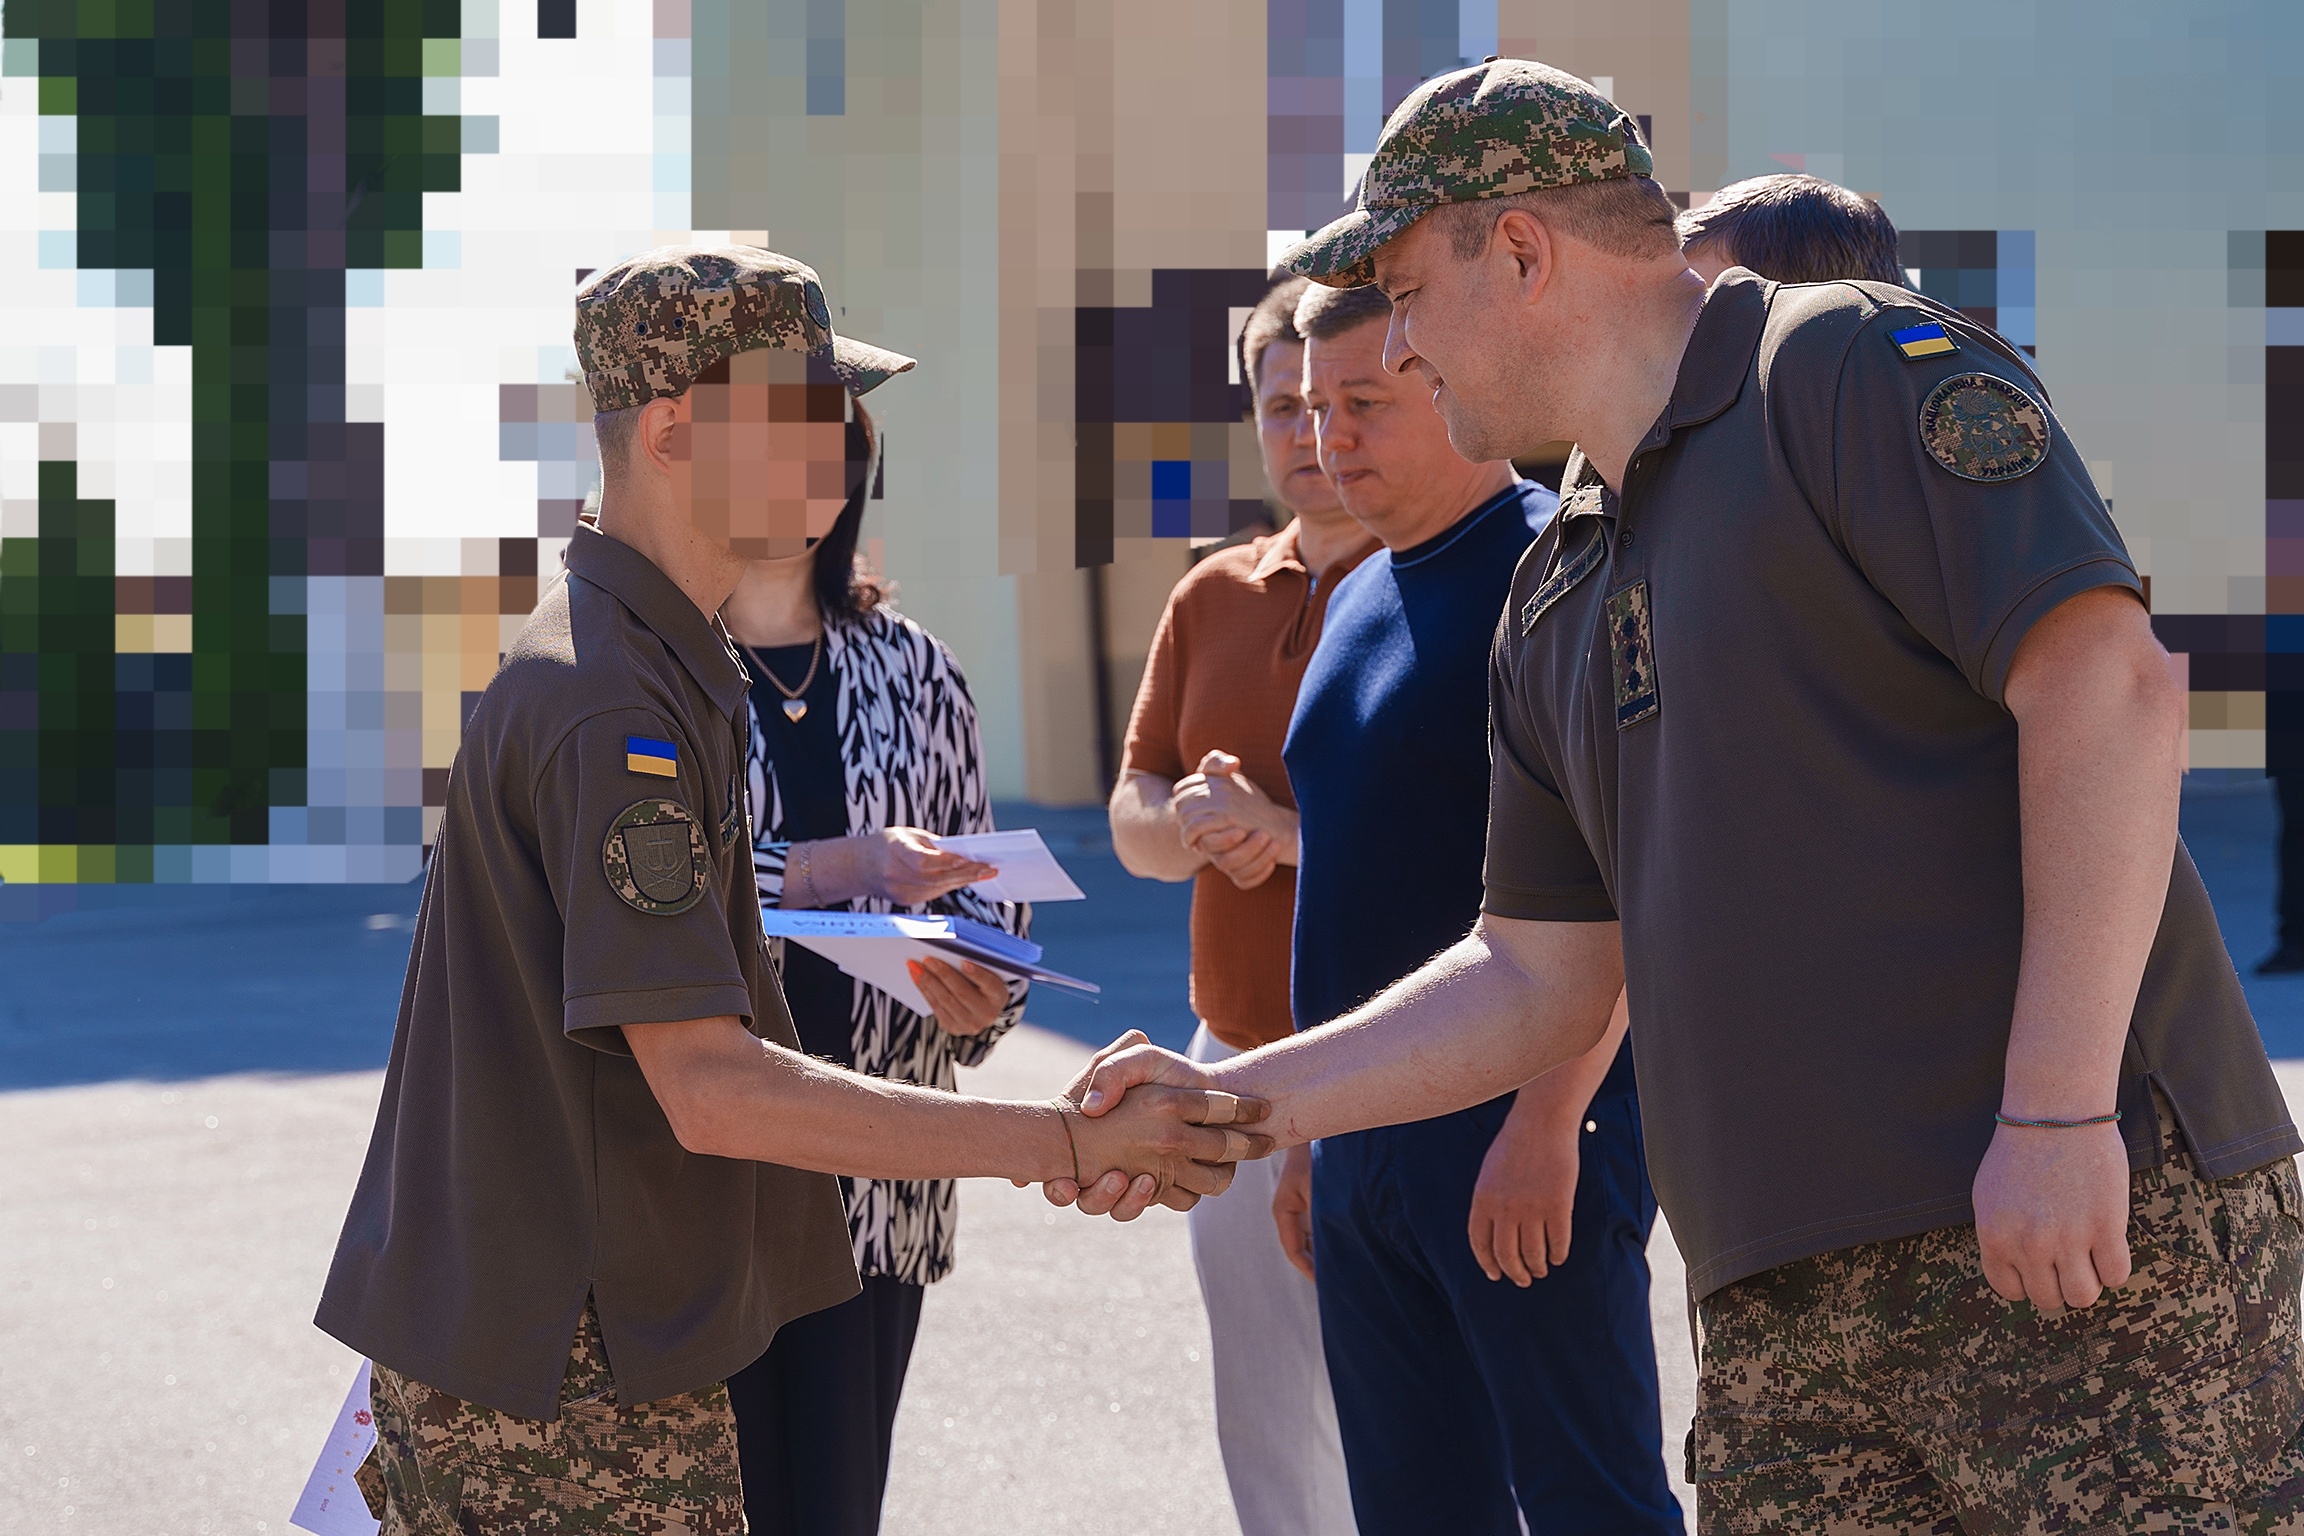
290, 432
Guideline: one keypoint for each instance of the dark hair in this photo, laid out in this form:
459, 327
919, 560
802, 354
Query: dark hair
1272, 320
1624, 216
844, 588
1798, 229
1323, 314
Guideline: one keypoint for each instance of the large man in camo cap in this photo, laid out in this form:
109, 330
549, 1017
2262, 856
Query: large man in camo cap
1827, 718
582, 1207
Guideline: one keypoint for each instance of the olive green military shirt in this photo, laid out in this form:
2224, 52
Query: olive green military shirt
1753, 708
593, 870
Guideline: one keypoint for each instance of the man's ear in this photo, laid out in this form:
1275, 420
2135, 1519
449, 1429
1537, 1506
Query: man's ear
1523, 237
656, 439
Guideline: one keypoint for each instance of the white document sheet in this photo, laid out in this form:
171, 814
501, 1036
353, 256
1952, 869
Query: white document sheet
1028, 871
331, 1504
873, 948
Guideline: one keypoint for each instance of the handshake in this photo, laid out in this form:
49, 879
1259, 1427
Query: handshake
1144, 1132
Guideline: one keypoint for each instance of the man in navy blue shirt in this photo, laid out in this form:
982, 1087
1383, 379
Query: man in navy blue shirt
1459, 1396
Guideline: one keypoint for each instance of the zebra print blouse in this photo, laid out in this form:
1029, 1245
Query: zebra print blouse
911, 757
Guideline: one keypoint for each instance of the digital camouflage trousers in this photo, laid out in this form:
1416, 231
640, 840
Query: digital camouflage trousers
446, 1467
1887, 1387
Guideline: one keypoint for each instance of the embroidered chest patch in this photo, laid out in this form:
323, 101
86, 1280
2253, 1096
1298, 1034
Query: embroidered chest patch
1632, 650
1981, 427
655, 858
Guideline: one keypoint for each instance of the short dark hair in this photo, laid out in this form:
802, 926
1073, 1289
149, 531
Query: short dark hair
1323, 313
1624, 216
1797, 229
1272, 320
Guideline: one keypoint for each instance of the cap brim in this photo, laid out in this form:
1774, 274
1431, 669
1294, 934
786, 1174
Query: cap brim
864, 367
1343, 255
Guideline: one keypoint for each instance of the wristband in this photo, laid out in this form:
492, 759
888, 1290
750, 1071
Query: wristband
1064, 1119
2057, 1125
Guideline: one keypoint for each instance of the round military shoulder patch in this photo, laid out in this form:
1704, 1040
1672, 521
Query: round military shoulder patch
1981, 427
655, 858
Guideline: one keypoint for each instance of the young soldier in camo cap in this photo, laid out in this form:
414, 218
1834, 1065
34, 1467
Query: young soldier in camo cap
583, 1205
1828, 719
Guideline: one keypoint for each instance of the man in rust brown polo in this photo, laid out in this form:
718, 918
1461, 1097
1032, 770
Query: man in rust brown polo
582, 1207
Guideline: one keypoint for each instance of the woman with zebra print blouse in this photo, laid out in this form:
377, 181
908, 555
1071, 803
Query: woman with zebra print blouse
864, 750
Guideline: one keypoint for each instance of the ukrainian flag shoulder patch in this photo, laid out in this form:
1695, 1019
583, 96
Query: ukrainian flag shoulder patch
645, 754
1929, 340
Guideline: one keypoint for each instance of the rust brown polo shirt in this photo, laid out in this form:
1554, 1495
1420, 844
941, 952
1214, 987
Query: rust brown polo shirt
1753, 708
593, 870
1225, 665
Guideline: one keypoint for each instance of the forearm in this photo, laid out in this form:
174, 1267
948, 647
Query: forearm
1507, 1004
1556, 1101
1144, 830
2098, 768
745, 1098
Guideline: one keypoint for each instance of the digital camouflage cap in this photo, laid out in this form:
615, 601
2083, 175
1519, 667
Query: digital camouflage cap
1506, 126
649, 326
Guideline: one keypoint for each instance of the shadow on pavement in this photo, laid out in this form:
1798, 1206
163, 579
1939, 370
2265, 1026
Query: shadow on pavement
185, 981
162, 982
177, 981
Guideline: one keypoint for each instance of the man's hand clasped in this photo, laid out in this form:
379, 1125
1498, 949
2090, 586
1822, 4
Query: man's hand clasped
1224, 817
1149, 1129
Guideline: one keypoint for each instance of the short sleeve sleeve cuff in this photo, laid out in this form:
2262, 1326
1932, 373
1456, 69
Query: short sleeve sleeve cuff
594, 1018
2050, 592
1539, 867
1558, 905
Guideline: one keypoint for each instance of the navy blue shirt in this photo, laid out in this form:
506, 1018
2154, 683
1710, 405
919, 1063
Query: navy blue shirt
1388, 755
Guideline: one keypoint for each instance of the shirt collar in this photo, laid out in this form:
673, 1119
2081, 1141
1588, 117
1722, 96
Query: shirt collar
633, 580
1280, 554
1712, 373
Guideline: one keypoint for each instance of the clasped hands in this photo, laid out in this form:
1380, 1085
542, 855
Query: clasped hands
1147, 1130
1225, 818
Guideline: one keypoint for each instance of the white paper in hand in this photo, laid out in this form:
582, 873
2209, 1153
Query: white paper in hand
331, 1504
1028, 871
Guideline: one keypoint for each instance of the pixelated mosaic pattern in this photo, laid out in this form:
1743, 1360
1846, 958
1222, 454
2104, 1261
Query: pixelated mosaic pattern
214, 663
2246, 670
1164, 449
160, 680
1985, 274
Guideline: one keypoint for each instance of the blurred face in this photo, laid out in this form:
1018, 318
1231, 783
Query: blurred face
1284, 433
759, 453
1380, 440
1461, 329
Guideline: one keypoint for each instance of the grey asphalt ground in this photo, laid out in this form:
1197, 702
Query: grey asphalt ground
159, 1372
187, 1082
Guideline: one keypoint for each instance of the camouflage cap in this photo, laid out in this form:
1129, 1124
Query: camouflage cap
1506, 126
649, 326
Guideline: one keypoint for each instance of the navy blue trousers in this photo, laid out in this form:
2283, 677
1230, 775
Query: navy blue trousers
1460, 1397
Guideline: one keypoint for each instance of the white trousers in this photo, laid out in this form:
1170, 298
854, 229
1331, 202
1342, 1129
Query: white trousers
1275, 1417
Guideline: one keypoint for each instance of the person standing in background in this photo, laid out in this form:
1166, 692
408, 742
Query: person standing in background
1791, 229
1203, 797
864, 750
1466, 1403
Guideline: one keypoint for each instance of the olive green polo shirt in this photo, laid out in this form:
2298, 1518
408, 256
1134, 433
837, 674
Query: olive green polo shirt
1752, 708
593, 870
